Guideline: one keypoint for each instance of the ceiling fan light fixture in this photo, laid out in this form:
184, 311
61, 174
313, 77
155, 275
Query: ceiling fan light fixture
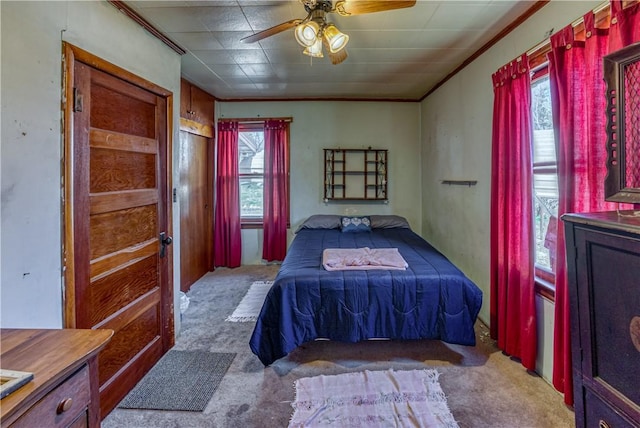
315, 50
307, 33
337, 40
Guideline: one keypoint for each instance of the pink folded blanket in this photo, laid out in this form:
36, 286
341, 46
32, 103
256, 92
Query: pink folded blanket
363, 259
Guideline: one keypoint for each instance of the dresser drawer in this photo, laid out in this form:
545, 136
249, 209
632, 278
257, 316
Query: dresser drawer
610, 286
64, 406
599, 414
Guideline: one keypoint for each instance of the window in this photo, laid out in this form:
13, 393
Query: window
251, 172
545, 179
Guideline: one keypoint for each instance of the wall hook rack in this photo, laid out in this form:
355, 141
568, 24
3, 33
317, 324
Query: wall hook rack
460, 182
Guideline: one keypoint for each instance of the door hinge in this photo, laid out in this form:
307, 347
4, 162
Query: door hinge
77, 100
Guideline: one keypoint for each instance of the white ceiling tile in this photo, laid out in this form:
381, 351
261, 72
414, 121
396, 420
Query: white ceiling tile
196, 41
393, 54
288, 55
223, 18
228, 70
232, 39
258, 70
468, 15
248, 56
263, 17
174, 19
235, 81
216, 56
162, 3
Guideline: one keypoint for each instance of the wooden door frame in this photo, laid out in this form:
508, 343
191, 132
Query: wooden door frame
71, 54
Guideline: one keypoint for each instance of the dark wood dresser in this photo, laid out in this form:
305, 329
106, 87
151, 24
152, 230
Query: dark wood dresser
603, 254
64, 390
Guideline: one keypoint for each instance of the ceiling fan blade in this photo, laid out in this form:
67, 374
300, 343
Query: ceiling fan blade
359, 7
271, 31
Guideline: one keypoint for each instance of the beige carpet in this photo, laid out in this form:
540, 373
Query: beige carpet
484, 387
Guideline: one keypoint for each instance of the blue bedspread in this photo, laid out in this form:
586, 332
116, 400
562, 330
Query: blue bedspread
432, 299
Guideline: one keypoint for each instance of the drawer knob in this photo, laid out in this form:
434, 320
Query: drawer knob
603, 424
64, 405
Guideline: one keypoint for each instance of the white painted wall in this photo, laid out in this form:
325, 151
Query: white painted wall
456, 144
31, 284
327, 124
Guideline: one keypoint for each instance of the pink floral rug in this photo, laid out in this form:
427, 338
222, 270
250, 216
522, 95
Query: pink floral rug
411, 398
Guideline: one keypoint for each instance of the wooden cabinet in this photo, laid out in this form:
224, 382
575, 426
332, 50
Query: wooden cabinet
64, 390
355, 174
603, 254
195, 104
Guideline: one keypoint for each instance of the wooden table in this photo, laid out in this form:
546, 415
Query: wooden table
64, 391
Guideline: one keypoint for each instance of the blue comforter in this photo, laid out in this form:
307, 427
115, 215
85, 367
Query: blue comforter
432, 299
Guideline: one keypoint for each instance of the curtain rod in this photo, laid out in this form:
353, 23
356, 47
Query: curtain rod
545, 43
254, 119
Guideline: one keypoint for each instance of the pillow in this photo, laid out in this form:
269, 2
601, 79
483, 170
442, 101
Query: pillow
356, 224
389, 222
321, 221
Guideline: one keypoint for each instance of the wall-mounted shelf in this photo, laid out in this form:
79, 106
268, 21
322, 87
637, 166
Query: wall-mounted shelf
355, 175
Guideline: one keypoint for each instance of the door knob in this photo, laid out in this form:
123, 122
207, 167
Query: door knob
164, 241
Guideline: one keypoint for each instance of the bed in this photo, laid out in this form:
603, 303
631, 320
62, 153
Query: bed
430, 299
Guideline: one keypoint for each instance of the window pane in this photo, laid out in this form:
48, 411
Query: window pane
251, 195
545, 177
251, 152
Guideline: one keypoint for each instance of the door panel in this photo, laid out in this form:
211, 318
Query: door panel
132, 339
195, 209
118, 290
123, 107
113, 170
120, 198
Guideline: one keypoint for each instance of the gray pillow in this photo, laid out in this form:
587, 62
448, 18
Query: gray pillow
321, 221
389, 222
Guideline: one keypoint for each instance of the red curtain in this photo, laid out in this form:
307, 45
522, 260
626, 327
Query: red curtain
276, 189
576, 77
227, 233
513, 315
625, 25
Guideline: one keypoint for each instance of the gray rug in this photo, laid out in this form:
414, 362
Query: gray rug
181, 380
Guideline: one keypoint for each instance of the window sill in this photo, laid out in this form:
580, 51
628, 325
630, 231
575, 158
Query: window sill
251, 223
545, 289
255, 224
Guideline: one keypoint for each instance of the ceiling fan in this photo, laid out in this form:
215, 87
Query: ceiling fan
314, 32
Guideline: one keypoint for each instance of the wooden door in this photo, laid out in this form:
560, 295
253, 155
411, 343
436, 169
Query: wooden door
118, 270
196, 214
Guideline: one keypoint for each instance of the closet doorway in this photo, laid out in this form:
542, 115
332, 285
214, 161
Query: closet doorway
196, 207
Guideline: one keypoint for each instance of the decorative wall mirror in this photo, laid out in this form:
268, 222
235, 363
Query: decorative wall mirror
622, 76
